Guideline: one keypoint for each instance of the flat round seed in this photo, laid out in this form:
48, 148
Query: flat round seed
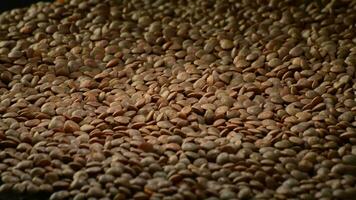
226, 44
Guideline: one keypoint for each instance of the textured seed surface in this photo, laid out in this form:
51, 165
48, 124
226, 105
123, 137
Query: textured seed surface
187, 99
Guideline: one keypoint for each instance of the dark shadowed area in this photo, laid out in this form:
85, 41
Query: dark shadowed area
16, 196
11, 4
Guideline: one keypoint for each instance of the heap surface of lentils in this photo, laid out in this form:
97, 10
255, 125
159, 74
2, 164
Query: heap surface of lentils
178, 100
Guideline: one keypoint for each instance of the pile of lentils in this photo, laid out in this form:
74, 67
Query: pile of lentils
179, 99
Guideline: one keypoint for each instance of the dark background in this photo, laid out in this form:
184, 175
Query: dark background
11, 4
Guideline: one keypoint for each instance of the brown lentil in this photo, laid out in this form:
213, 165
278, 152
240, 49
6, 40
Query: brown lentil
178, 100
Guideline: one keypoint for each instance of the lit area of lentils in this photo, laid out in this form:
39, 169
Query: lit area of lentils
178, 100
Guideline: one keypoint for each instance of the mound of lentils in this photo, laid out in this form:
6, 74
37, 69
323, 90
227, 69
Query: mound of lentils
179, 99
